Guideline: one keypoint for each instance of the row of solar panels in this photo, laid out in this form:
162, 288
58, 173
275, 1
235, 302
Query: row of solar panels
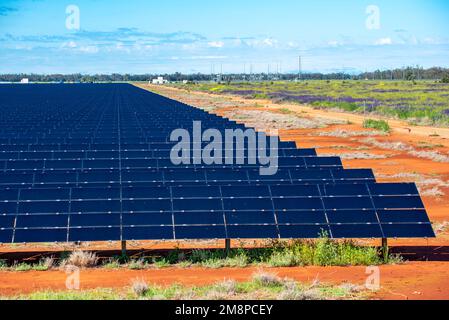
210, 192
109, 146
193, 232
285, 162
133, 154
184, 177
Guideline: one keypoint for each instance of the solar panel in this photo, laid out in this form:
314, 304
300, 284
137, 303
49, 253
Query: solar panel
92, 163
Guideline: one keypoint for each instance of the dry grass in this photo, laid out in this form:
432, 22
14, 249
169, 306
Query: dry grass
357, 156
399, 146
228, 287
433, 192
427, 186
341, 133
139, 287
81, 259
268, 120
266, 279
441, 227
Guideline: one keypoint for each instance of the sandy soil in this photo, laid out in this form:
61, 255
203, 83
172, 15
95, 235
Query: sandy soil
411, 281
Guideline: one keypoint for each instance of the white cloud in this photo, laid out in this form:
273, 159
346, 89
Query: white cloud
383, 42
334, 43
89, 49
70, 44
216, 44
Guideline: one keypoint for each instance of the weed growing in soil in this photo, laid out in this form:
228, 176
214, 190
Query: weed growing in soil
380, 125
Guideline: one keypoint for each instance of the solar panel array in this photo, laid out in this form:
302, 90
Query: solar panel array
92, 163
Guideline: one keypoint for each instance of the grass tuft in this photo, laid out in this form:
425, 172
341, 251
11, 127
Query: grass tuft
267, 279
380, 125
139, 287
81, 259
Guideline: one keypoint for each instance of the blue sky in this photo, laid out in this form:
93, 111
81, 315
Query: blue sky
148, 36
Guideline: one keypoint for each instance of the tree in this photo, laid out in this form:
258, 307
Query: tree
445, 79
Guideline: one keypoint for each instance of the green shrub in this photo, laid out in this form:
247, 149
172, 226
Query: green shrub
3, 264
138, 264
22, 267
380, 125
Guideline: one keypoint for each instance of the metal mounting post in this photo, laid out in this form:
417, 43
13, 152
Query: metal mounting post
385, 250
228, 245
123, 248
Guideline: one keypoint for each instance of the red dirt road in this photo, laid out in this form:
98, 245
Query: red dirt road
413, 281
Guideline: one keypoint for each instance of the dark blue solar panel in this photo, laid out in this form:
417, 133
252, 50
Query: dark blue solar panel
42, 221
303, 231
199, 218
94, 234
301, 217
245, 191
94, 220
396, 202
95, 206
404, 216
95, 193
252, 232
386, 189
197, 205
147, 219
356, 231
6, 236
146, 193
148, 233
245, 204
352, 216
7, 222
154, 205
408, 230
247, 218
200, 232
41, 235
36, 207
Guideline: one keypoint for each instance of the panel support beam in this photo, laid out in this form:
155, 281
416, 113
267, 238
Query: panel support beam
385, 250
123, 244
228, 246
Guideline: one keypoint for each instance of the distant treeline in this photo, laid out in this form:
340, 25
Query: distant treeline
409, 73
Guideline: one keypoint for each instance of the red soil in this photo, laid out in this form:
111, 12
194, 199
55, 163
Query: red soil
414, 281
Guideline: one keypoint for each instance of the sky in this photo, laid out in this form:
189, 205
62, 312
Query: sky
190, 36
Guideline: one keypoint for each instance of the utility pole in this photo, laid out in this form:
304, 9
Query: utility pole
299, 68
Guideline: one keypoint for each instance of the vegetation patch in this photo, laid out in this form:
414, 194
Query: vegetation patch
261, 285
380, 125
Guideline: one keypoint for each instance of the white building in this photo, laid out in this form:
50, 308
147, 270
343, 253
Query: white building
25, 80
159, 80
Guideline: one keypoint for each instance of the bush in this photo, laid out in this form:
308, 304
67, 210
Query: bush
283, 259
3, 264
44, 264
137, 264
266, 279
380, 125
445, 79
22, 267
139, 287
82, 259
